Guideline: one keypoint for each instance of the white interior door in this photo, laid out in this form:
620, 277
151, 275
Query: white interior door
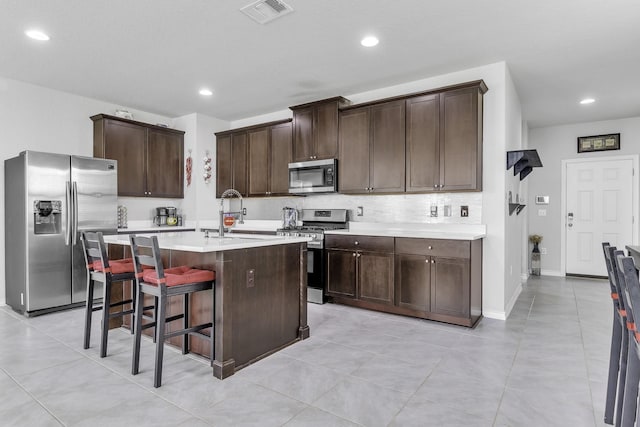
599, 208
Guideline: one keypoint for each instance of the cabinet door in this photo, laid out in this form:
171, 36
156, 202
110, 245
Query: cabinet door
303, 138
326, 131
387, 169
259, 162
239, 163
280, 157
413, 282
450, 286
125, 142
461, 137
223, 171
423, 143
341, 273
165, 164
375, 277
353, 164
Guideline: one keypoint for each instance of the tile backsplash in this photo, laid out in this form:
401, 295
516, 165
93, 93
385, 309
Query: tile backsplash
414, 208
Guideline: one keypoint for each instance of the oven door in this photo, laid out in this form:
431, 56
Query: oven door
315, 275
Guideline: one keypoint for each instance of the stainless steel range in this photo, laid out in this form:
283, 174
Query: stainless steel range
314, 223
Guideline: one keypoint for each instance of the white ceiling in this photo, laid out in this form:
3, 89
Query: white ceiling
154, 55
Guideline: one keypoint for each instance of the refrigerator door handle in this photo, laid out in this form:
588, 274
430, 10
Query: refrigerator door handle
75, 213
67, 200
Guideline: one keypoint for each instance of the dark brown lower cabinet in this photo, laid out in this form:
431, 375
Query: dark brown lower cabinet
375, 277
341, 273
437, 279
450, 286
413, 281
360, 268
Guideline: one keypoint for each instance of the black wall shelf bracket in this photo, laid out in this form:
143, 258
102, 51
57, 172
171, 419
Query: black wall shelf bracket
523, 162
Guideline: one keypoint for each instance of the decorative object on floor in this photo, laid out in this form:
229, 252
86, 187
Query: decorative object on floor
535, 254
189, 167
207, 168
598, 143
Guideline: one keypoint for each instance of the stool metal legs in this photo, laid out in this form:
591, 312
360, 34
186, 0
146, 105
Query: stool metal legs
614, 368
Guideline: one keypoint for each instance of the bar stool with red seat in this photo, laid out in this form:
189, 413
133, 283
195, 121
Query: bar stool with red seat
101, 269
163, 283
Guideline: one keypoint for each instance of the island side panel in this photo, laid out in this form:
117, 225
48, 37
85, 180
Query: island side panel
266, 300
303, 330
260, 300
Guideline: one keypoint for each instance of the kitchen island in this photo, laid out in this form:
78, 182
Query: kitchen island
260, 293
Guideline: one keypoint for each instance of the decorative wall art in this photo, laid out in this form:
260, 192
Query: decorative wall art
598, 143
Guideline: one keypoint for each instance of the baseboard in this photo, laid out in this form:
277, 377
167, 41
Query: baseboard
499, 315
513, 300
555, 273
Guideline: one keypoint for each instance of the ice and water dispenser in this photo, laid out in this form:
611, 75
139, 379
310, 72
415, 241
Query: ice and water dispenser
47, 216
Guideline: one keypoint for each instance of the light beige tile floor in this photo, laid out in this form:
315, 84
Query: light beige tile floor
545, 366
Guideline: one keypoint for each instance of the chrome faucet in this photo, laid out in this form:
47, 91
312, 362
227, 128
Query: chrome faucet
228, 194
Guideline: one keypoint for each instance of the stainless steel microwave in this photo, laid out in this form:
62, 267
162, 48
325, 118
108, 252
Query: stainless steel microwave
315, 176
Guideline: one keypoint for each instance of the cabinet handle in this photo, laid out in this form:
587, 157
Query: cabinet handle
354, 254
427, 260
358, 255
356, 242
430, 247
433, 261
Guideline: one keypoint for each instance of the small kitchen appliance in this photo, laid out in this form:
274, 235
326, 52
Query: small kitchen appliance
314, 223
161, 216
315, 176
289, 217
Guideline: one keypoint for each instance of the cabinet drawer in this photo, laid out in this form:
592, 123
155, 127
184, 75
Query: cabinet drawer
362, 243
435, 247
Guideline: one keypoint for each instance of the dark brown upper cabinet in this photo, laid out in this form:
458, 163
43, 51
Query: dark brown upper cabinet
231, 162
372, 148
150, 158
269, 156
254, 160
315, 129
444, 140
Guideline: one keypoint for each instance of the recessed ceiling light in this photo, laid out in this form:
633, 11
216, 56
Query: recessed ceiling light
205, 92
37, 35
587, 101
369, 41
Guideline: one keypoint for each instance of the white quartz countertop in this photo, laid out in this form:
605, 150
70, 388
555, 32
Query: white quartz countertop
249, 225
421, 231
149, 226
192, 241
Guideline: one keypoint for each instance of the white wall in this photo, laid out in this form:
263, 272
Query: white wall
41, 119
555, 144
513, 223
493, 203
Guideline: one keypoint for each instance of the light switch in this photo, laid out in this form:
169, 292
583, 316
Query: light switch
359, 211
447, 210
542, 212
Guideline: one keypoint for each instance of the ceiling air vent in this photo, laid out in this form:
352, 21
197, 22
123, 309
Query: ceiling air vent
264, 11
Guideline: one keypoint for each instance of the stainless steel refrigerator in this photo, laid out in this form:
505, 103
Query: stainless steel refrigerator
49, 200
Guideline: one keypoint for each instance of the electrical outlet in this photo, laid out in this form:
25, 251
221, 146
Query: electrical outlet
359, 211
434, 210
543, 251
244, 211
464, 211
251, 278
